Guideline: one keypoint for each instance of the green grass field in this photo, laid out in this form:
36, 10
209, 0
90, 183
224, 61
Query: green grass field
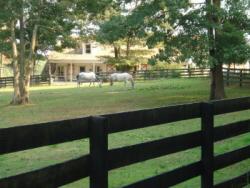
64, 102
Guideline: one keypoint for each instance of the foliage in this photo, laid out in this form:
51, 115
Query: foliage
124, 63
112, 30
183, 30
6, 71
210, 34
30, 29
159, 65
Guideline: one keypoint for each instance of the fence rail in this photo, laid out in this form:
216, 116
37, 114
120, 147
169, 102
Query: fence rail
231, 76
236, 76
100, 160
34, 80
165, 73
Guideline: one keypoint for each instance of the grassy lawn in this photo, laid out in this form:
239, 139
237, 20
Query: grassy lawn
54, 103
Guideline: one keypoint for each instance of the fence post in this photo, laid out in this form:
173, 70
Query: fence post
241, 78
189, 71
228, 71
98, 152
207, 147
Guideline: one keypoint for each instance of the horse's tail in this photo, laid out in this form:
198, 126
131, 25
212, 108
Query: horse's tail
77, 77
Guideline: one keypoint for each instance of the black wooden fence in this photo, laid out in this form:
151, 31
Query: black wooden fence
165, 73
151, 74
100, 160
34, 80
237, 76
231, 76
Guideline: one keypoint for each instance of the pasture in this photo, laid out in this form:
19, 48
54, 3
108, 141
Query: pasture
53, 103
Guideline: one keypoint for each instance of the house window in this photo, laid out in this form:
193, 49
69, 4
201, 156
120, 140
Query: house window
82, 69
98, 69
88, 49
60, 71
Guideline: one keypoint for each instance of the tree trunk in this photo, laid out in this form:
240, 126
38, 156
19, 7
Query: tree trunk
22, 83
128, 47
30, 62
16, 95
117, 50
217, 84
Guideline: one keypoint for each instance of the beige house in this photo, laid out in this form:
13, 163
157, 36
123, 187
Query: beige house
88, 57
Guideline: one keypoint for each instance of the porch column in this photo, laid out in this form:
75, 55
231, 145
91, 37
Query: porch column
65, 67
71, 72
93, 66
50, 79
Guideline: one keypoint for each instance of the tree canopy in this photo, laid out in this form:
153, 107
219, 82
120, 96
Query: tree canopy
29, 27
211, 34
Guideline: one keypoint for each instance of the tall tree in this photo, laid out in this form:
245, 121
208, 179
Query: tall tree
121, 28
200, 32
37, 26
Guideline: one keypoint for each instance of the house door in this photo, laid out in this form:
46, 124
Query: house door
98, 69
82, 69
60, 72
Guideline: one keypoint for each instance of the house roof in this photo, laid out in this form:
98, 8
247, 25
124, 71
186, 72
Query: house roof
56, 57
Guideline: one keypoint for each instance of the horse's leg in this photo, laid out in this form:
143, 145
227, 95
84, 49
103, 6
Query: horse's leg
132, 83
100, 83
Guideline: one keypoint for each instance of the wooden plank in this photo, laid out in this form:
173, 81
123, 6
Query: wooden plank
98, 152
170, 178
231, 105
140, 152
230, 158
32, 136
231, 130
149, 117
207, 146
52, 176
237, 182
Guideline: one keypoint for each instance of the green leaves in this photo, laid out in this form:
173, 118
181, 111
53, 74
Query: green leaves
183, 31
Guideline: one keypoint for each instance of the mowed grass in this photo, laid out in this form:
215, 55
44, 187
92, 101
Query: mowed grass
64, 102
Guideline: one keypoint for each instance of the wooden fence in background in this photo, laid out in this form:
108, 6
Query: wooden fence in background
151, 74
231, 76
164, 73
100, 160
34, 80
236, 76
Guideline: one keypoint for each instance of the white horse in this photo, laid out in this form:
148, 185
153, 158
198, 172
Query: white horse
125, 77
87, 76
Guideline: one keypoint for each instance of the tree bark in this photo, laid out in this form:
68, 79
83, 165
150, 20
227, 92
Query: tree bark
29, 65
117, 51
16, 95
217, 84
128, 46
217, 90
22, 83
